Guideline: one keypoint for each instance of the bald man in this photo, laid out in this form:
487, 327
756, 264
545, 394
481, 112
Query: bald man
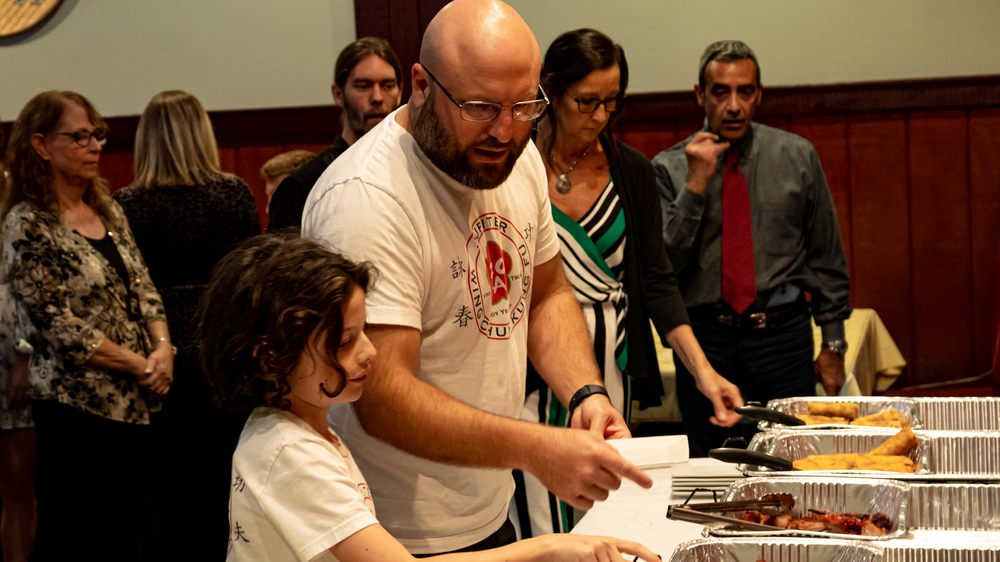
447, 198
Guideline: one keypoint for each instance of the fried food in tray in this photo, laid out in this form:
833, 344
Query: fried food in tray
887, 457
888, 418
899, 444
863, 524
825, 413
833, 409
821, 420
855, 461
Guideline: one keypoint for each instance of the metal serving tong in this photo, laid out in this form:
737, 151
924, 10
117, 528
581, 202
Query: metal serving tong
705, 513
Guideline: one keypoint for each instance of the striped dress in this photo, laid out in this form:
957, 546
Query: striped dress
593, 252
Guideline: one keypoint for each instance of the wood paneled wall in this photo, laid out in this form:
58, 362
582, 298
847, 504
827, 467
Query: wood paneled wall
914, 169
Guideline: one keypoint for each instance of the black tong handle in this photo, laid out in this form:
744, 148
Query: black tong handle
767, 414
738, 456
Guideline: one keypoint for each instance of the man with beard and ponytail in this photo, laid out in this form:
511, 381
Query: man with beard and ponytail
367, 87
448, 199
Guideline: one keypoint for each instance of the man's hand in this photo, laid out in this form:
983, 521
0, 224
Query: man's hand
702, 155
597, 415
579, 466
830, 371
725, 397
159, 372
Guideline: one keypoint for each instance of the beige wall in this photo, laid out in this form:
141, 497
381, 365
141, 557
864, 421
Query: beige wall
237, 54
231, 54
797, 41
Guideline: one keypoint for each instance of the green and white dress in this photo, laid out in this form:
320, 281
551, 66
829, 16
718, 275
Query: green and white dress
593, 256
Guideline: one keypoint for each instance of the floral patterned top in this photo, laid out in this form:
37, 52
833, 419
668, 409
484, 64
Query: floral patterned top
75, 299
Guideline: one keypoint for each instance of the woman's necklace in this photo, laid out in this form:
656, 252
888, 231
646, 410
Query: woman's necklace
563, 184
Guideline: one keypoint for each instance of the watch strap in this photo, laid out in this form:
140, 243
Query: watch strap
585, 392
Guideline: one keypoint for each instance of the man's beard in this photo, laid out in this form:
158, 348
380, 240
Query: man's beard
441, 147
358, 122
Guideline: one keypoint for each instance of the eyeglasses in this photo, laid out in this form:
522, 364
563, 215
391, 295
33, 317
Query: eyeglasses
590, 105
486, 111
82, 138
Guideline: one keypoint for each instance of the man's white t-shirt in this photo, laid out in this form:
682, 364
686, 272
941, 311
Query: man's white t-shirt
455, 263
294, 493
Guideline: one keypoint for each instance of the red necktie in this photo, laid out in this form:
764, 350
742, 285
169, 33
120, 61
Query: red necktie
739, 284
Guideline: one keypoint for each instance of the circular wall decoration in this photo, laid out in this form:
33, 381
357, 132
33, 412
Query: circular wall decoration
20, 16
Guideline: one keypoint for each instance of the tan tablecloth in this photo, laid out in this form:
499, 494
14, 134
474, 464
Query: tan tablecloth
873, 362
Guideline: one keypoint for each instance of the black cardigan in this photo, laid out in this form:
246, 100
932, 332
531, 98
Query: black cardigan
649, 278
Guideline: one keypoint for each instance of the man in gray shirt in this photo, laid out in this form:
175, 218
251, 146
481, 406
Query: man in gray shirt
750, 228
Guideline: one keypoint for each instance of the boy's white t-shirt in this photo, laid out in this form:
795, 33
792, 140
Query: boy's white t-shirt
456, 264
294, 493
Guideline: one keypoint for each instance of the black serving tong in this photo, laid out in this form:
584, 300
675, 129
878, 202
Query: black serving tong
742, 456
767, 414
706, 513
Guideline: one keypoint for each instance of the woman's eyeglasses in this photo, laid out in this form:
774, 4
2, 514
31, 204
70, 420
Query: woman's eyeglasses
590, 105
82, 138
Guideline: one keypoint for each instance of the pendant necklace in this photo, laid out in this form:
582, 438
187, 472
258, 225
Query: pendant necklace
563, 184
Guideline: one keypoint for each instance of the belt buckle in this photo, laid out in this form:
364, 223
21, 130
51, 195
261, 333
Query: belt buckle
758, 320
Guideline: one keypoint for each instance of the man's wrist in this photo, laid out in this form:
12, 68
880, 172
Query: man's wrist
836, 346
586, 391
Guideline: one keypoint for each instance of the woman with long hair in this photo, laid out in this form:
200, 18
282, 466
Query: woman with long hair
186, 215
72, 262
607, 213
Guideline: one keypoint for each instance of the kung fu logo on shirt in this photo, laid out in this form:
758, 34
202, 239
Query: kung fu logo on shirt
499, 275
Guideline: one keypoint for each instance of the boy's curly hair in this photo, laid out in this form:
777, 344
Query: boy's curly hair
264, 301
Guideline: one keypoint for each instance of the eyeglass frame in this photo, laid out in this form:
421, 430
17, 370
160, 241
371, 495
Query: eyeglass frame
461, 111
619, 99
101, 134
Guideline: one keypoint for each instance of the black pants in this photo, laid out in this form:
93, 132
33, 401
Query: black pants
502, 537
766, 363
90, 481
192, 466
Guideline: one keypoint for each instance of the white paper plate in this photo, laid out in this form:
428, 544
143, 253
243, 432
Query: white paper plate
653, 452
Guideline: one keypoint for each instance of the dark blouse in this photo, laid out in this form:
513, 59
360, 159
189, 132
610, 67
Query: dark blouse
182, 232
107, 248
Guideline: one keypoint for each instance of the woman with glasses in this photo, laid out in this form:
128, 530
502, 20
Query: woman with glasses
607, 213
186, 215
73, 264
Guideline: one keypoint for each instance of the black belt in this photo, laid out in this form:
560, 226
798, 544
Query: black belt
754, 320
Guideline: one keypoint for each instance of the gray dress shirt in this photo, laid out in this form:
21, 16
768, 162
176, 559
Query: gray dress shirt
796, 238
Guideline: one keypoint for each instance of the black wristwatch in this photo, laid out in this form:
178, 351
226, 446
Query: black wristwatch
837, 346
584, 393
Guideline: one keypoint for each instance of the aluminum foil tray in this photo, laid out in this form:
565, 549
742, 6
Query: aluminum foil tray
959, 414
777, 550
867, 405
936, 546
954, 507
844, 495
941, 455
